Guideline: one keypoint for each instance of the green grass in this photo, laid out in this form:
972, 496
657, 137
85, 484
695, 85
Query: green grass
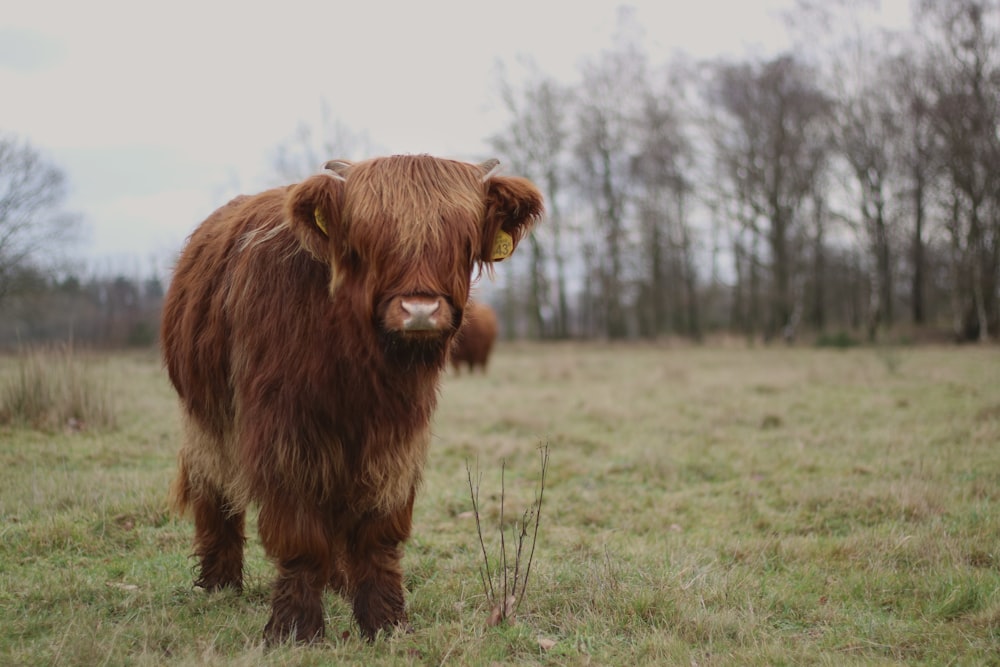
703, 506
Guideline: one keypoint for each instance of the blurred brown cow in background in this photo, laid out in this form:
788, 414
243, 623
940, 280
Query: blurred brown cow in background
306, 329
475, 338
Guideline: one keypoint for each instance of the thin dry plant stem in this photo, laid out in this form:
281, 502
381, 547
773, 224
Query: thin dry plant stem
503, 545
506, 607
520, 546
544, 452
474, 492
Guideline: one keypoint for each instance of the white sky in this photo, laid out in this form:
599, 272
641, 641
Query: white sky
156, 110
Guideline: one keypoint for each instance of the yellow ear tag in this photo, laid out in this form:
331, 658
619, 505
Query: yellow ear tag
320, 221
503, 246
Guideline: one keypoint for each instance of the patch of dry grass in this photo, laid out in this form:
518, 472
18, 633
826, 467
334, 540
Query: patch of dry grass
55, 387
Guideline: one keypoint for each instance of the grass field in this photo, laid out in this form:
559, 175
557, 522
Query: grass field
703, 506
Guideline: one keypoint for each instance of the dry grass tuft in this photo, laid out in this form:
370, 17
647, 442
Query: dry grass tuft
56, 388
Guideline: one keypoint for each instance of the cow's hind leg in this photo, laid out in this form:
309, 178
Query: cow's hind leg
218, 531
300, 544
375, 575
218, 542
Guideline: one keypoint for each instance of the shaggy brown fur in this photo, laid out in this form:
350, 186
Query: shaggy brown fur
475, 337
305, 331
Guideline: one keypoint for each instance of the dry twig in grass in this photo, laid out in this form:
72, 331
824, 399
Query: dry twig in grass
512, 585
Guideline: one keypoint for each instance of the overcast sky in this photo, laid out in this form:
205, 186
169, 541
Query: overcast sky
157, 111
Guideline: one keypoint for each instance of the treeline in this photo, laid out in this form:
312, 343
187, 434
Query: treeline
847, 188
852, 185
98, 311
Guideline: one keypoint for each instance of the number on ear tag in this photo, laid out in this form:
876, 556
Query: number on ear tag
503, 246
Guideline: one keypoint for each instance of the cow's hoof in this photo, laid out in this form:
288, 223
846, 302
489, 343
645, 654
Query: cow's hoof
279, 631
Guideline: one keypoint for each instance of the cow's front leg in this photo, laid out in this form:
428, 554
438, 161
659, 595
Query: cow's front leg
375, 574
296, 603
300, 544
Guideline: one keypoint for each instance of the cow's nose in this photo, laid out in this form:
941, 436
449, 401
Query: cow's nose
420, 315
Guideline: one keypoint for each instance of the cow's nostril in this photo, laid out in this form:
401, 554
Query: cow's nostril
416, 308
420, 315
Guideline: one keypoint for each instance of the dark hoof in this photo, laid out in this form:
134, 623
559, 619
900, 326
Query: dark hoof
303, 633
216, 585
402, 627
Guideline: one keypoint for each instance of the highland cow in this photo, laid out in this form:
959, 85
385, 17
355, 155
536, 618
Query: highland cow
475, 337
305, 330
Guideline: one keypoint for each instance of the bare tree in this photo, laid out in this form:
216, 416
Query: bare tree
605, 144
965, 47
661, 170
535, 142
32, 190
305, 151
867, 128
880, 138
917, 165
770, 147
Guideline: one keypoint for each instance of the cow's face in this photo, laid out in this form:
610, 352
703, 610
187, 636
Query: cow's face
404, 235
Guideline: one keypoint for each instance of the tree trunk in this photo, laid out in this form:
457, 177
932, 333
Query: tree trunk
537, 296
689, 272
737, 307
957, 315
753, 319
657, 283
883, 263
612, 297
818, 316
917, 286
555, 220
781, 272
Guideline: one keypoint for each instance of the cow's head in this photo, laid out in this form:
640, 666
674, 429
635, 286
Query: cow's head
404, 235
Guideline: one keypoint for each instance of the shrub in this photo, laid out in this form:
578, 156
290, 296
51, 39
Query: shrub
514, 566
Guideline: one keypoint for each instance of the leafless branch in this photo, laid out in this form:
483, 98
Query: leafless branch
474, 492
512, 584
544, 451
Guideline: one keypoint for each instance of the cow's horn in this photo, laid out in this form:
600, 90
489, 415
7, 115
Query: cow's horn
489, 167
338, 168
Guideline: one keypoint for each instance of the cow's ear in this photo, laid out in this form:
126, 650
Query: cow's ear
313, 207
513, 206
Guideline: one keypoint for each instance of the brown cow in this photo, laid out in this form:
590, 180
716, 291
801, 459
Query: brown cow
475, 337
305, 330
